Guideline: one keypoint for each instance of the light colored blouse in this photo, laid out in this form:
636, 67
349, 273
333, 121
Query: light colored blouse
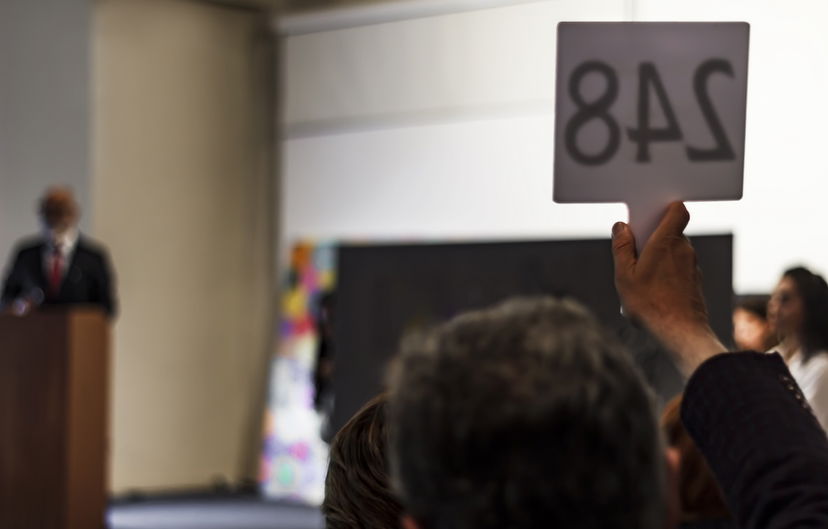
812, 377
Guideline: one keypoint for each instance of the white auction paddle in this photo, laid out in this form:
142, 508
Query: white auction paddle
650, 112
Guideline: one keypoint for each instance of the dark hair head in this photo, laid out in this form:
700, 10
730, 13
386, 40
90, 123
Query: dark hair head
699, 494
813, 291
524, 415
754, 303
357, 490
58, 207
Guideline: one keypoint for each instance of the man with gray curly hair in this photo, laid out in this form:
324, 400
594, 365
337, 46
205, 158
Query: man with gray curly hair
503, 418
529, 415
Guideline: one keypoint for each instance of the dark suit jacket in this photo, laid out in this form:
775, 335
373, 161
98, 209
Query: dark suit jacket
766, 448
88, 279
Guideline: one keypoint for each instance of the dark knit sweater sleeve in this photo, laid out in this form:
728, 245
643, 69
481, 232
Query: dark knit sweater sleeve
769, 454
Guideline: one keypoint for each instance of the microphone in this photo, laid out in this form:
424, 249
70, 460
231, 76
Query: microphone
24, 304
36, 296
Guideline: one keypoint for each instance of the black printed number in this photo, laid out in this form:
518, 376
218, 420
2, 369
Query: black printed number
648, 80
587, 111
722, 150
650, 87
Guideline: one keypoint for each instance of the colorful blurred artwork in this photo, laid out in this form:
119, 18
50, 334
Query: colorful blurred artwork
295, 458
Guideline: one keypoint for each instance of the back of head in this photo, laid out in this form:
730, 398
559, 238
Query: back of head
357, 490
813, 290
524, 415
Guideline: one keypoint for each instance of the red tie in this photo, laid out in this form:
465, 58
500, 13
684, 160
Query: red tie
57, 271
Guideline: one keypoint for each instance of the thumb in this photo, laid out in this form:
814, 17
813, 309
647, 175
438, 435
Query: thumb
623, 249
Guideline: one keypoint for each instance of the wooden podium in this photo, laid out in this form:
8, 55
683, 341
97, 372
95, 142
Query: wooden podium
54, 385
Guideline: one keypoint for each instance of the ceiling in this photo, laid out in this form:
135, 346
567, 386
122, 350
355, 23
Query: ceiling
293, 6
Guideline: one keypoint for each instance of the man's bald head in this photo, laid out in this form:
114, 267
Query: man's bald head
59, 210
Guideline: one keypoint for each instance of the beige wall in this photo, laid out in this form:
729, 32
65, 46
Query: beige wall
182, 196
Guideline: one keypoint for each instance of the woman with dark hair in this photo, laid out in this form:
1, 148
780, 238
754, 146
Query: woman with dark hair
358, 494
798, 314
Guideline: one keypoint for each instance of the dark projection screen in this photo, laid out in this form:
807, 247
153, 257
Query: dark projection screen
385, 290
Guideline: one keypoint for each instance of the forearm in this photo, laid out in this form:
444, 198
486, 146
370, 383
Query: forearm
691, 346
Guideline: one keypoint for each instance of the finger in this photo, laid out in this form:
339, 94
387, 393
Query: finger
623, 248
673, 222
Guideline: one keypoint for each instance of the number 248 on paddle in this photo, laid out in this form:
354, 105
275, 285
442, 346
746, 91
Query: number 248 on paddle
650, 108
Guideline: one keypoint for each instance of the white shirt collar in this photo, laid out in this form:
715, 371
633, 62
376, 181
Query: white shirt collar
67, 241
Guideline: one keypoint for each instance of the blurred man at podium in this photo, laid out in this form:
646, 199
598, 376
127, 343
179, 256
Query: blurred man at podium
60, 267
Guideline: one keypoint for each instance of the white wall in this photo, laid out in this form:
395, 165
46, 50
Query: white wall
44, 108
420, 121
